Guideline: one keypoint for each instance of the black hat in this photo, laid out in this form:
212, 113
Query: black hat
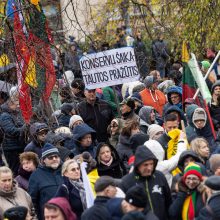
129, 102
213, 182
103, 182
16, 213
136, 196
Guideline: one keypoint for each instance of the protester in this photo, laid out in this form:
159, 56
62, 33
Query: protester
109, 162
73, 184
45, 179
83, 140
155, 131
214, 162
153, 181
58, 208
38, 132
11, 195
189, 199
28, 164
74, 121
151, 96
96, 113
114, 130
105, 189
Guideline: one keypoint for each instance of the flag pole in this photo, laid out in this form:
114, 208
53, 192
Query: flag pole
208, 72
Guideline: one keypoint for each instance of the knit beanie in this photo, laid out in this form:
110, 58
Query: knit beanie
74, 119
48, 149
153, 130
214, 161
192, 169
199, 114
149, 81
136, 196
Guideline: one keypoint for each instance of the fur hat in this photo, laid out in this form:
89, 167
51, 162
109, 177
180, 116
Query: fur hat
214, 161
136, 196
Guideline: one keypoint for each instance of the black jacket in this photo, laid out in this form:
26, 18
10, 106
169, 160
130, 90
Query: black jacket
97, 116
116, 169
175, 210
212, 210
156, 185
98, 211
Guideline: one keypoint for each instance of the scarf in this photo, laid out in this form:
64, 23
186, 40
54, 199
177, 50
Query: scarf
24, 173
9, 194
108, 163
79, 186
189, 207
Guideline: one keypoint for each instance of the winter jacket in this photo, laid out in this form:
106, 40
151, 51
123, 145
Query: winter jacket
16, 197
116, 169
97, 116
23, 178
212, 210
155, 99
109, 97
166, 166
171, 90
43, 185
13, 127
78, 132
114, 208
156, 185
175, 210
34, 147
73, 196
64, 205
98, 211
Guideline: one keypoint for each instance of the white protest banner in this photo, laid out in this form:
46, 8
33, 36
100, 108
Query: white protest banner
108, 68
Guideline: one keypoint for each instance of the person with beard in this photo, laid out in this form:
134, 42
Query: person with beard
45, 180
28, 164
214, 107
38, 132
152, 180
109, 162
127, 107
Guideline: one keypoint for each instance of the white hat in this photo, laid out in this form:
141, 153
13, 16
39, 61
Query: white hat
74, 119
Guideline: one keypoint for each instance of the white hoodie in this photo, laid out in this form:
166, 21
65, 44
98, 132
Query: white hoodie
166, 166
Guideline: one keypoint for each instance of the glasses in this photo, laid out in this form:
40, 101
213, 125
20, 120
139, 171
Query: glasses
52, 157
192, 179
75, 169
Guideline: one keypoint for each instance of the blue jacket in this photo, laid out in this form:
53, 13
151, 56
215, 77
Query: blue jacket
173, 89
78, 132
12, 126
115, 209
43, 185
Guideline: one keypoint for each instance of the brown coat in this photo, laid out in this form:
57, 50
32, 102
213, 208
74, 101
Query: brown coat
17, 197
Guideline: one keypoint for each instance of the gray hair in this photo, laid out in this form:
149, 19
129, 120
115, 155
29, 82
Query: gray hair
66, 165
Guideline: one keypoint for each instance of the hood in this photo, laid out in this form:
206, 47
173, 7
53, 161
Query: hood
156, 148
174, 89
199, 113
64, 205
113, 150
81, 130
138, 140
124, 140
144, 114
37, 127
189, 113
184, 155
175, 108
217, 83
143, 154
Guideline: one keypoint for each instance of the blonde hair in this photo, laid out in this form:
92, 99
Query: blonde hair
66, 165
5, 169
195, 145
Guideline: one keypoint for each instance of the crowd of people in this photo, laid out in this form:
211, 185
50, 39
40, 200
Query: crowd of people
153, 156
